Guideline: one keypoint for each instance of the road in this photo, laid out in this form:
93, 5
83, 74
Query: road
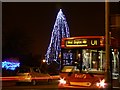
11, 85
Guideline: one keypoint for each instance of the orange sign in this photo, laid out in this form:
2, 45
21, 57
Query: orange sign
83, 76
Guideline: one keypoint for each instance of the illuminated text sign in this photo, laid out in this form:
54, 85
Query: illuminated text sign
82, 42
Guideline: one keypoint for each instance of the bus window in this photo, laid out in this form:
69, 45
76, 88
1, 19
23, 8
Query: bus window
115, 60
68, 57
92, 60
85, 59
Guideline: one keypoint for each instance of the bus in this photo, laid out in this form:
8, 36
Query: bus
83, 61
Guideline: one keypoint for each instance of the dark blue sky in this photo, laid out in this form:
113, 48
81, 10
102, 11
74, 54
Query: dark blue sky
27, 26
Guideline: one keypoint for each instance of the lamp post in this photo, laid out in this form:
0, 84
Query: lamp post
107, 46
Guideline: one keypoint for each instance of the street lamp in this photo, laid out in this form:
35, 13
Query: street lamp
43, 60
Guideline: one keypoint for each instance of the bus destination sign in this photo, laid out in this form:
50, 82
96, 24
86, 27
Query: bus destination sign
82, 42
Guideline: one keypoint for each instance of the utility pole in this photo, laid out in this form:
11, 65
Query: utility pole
107, 46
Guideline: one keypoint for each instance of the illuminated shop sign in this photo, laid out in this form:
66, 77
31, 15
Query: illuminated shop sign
82, 42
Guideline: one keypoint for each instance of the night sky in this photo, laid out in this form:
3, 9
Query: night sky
27, 27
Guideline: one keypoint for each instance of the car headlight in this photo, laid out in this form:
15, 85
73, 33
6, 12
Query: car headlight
28, 78
62, 81
101, 84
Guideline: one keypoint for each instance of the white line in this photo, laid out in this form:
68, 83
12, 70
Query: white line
116, 87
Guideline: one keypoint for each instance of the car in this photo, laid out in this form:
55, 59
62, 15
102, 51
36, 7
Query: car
32, 75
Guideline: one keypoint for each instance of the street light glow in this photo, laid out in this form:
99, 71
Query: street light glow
44, 60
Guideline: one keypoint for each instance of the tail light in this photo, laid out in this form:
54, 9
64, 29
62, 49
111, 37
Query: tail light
101, 42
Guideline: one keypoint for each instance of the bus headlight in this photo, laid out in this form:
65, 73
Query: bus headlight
62, 81
101, 84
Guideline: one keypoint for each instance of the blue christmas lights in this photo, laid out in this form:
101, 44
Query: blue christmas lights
10, 65
60, 30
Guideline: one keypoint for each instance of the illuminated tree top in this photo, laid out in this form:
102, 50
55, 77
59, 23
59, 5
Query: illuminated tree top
60, 30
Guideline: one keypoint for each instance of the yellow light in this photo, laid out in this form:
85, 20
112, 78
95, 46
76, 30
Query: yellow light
27, 78
44, 60
84, 41
75, 62
79, 55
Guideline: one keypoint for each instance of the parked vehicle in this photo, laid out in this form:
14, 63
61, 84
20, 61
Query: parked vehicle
32, 75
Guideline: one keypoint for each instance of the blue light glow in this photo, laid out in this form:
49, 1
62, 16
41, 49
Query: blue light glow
60, 30
10, 65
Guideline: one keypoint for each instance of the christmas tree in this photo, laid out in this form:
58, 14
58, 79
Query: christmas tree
60, 30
